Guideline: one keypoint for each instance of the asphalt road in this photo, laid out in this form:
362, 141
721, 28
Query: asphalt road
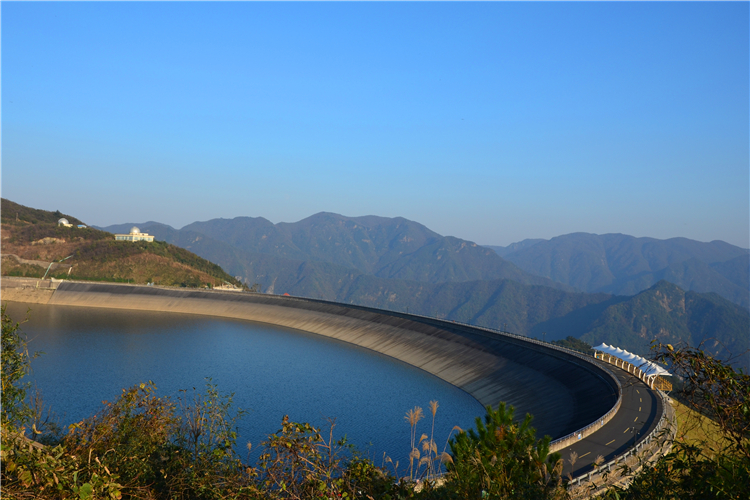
639, 413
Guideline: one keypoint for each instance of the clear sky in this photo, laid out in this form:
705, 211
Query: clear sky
492, 122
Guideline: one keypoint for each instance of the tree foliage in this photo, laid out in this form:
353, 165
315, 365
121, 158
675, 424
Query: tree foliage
299, 462
15, 365
503, 459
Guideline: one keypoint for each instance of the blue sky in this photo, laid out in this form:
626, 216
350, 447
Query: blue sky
492, 122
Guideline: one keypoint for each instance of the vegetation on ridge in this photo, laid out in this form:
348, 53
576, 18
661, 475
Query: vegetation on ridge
13, 213
35, 240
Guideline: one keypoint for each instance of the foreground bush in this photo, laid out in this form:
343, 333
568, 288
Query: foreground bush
503, 459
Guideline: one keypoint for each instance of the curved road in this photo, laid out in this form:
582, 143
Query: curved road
639, 413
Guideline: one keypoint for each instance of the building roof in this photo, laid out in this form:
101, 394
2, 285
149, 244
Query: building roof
646, 366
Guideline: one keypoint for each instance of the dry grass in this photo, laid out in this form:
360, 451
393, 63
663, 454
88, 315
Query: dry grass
696, 429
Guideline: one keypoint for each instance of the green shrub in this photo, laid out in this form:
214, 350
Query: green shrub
15, 365
503, 459
298, 462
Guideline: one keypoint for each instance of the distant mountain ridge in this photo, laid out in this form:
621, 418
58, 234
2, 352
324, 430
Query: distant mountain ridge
513, 247
390, 248
663, 312
625, 265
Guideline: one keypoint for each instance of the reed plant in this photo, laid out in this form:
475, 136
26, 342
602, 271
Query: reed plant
425, 460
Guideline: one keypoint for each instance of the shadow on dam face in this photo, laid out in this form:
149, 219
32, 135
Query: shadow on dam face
562, 391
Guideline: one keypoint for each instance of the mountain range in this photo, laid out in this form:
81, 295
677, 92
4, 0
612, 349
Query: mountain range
600, 288
377, 246
596, 288
625, 265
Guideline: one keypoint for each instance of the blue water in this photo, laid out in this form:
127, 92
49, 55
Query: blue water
91, 354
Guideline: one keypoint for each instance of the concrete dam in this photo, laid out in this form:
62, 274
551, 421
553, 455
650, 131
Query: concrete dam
564, 392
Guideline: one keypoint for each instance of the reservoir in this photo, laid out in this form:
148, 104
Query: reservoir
91, 354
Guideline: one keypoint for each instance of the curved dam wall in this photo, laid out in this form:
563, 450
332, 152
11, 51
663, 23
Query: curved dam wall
562, 391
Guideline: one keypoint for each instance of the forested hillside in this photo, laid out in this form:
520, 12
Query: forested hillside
625, 265
392, 248
666, 313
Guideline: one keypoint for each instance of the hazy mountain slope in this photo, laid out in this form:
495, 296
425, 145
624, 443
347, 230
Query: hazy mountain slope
621, 264
449, 259
252, 234
365, 243
720, 326
501, 304
736, 270
514, 247
385, 247
578, 260
691, 275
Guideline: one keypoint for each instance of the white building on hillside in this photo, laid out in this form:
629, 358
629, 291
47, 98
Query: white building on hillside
134, 235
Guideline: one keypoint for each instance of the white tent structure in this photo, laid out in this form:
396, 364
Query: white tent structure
645, 369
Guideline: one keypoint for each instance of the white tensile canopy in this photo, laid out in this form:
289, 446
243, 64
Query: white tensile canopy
649, 368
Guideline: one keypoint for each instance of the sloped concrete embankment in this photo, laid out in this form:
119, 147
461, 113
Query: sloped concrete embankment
29, 290
563, 393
